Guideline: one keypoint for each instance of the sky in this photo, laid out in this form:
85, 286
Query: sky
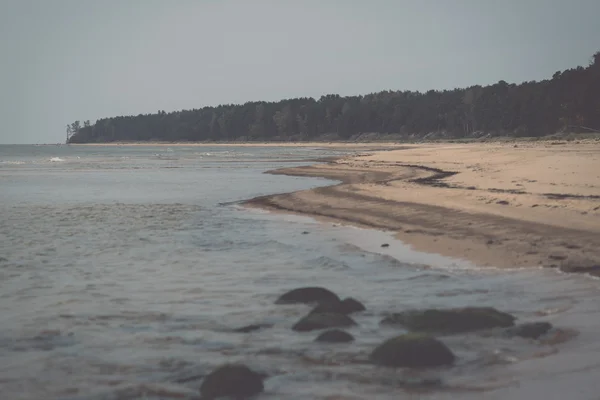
67, 60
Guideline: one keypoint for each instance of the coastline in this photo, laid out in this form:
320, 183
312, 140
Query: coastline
530, 204
352, 145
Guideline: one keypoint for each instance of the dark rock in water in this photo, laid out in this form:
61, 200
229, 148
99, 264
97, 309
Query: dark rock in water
252, 328
236, 381
385, 245
308, 295
592, 270
335, 336
412, 350
351, 305
530, 330
453, 320
346, 306
305, 233
314, 321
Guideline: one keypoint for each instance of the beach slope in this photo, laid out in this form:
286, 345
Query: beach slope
495, 204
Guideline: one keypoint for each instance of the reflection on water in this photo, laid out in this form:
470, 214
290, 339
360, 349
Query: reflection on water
121, 279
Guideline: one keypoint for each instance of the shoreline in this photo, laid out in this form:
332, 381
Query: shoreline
496, 205
554, 140
367, 145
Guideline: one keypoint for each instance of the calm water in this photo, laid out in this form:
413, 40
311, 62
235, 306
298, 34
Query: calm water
124, 269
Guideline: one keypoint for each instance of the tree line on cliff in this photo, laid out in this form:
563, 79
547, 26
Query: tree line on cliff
569, 101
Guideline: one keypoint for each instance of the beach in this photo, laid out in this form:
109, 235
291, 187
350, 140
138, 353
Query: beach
520, 204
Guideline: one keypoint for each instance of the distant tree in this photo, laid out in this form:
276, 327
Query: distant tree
75, 127
570, 100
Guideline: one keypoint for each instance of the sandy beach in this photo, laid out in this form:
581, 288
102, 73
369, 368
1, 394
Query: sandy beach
529, 204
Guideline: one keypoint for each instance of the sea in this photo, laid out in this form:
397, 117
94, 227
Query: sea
124, 271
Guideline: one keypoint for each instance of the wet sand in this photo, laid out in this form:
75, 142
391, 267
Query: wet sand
530, 204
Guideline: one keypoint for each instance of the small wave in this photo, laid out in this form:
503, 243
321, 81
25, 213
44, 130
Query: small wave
329, 263
150, 391
56, 159
433, 276
460, 292
12, 162
45, 340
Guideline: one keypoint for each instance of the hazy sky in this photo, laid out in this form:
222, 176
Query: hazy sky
64, 60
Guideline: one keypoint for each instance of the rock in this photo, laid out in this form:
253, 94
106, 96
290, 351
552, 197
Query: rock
315, 321
251, 328
385, 245
308, 295
530, 330
335, 336
351, 305
412, 350
236, 381
346, 306
503, 202
453, 320
305, 233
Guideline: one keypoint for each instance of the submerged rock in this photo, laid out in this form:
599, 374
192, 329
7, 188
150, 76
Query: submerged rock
335, 336
314, 321
236, 381
412, 350
530, 330
453, 320
308, 295
251, 328
346, 306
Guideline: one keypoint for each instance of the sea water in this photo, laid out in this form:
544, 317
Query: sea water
125, 269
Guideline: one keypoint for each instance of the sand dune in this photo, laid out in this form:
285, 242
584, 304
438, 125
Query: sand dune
503, 205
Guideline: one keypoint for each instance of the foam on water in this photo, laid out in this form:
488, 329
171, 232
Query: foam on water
123, 279
12, 162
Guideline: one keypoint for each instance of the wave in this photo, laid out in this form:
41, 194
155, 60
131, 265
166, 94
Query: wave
56, 159
12, 162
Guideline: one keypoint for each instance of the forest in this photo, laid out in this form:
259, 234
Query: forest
567, 102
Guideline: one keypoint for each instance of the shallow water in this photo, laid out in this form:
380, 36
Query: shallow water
124, 269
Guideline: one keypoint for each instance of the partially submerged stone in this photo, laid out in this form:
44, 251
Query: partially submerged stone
335, 336
346, 306
453, 320
314, 321
412, 350
530, 330
308, 295
236, 381
252, 328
